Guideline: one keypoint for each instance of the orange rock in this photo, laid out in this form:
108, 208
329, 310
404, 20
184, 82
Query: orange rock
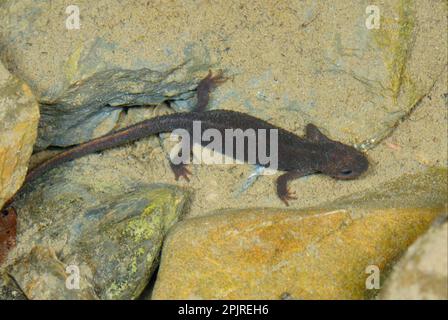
19, 116
270, 254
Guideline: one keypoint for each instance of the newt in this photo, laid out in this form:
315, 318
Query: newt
297, 156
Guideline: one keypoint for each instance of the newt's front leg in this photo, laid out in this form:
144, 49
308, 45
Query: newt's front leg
282, 184
180, 170
206, 85
203, 95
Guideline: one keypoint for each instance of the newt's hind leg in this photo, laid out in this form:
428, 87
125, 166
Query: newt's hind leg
205, 86
180, 170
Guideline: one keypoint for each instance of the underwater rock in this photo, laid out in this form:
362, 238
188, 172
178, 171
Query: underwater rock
317, 253
111, 240
425, 189
80, 76
277, 253
19, 116
422, 272
9, 290
292, 62
42, 276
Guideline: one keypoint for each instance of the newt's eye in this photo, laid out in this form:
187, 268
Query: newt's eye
346, 172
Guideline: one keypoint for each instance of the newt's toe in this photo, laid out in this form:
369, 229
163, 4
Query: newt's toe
288, 195
219, 78
181, 171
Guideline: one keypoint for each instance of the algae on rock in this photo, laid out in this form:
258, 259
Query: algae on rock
114, 244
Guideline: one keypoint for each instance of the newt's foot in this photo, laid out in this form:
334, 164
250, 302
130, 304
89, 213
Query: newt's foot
217, 79
286, 196
211, 81
180, 170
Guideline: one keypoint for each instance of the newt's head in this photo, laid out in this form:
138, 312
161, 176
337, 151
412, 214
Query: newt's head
338, 160
343, 162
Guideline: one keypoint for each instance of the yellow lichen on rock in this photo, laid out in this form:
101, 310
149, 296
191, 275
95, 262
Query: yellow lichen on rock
19, 116
275, 253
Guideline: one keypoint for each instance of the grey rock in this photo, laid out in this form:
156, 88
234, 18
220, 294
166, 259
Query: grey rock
422, 273
41, 275
113, 240
9, 290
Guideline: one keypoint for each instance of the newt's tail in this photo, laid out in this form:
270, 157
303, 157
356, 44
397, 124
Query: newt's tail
135, 132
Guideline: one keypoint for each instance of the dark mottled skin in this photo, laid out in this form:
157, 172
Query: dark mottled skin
298, 156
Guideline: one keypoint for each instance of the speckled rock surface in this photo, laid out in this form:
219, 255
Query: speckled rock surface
270, 254
425, 189
289, 63
422, 272
41, 275
112, 238
308, 60
19, 116
9, 290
